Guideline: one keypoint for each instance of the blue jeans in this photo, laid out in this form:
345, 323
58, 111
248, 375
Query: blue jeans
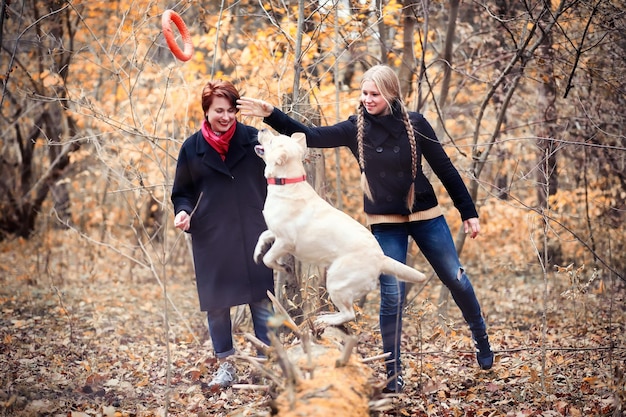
434, 240
220, 326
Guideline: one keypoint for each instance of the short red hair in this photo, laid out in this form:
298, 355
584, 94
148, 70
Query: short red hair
219, 88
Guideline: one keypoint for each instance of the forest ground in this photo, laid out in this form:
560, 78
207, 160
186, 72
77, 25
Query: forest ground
83, 333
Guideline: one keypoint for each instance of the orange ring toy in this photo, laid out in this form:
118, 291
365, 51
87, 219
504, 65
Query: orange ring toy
172, 16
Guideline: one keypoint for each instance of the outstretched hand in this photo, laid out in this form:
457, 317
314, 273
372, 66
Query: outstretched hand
471, 227
254, 107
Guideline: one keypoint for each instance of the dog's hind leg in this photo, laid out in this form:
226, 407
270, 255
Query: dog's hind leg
347, 279
345, 314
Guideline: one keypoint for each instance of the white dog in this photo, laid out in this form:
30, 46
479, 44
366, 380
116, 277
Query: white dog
304, 225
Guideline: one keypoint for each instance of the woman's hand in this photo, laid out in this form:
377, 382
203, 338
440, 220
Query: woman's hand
472, 226
254, 107
182, 220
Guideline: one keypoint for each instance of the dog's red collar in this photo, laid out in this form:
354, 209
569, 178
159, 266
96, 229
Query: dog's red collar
283, 181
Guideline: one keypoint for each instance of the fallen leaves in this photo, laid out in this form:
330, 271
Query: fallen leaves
87, 345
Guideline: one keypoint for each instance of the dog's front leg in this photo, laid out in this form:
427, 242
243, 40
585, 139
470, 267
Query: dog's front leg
269, 251
263, 244
272, 259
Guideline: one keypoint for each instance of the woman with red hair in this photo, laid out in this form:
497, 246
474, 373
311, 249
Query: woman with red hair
218, 195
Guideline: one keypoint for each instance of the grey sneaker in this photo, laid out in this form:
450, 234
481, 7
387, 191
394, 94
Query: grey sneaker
224, 377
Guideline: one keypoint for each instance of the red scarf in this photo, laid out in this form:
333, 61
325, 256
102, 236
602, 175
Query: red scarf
219, 143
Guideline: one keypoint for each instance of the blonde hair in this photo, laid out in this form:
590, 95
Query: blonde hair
388, 85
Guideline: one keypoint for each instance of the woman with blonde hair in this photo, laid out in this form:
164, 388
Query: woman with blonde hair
399, 201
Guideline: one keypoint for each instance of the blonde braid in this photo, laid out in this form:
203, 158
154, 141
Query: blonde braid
360, 133
413, 143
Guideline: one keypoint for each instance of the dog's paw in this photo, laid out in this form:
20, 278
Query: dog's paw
258, 255
334, 319
261, 248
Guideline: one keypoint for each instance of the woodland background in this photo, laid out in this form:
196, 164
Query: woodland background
99, 310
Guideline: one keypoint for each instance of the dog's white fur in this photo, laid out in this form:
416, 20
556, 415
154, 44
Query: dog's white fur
304, 225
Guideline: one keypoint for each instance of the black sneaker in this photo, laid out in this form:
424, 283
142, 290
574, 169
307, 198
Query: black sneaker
395, 384
484, 354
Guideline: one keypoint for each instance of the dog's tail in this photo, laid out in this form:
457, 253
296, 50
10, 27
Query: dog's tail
401, 271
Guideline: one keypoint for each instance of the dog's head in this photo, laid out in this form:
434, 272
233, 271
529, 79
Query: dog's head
282, 154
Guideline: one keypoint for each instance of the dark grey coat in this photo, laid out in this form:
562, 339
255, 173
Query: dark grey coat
228, 220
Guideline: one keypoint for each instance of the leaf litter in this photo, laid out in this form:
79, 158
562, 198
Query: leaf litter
83, 333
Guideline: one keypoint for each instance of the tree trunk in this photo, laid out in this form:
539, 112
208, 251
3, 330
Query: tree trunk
383, 34
547, 176
56, 129
32, 173
447, 55
444, 293
323, 378
407, 69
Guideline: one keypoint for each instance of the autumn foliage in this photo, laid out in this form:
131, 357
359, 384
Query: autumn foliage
98, 301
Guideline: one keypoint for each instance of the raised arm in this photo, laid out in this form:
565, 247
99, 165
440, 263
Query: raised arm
254, 107
340, 134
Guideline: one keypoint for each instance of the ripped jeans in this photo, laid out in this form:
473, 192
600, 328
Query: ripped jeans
434, 240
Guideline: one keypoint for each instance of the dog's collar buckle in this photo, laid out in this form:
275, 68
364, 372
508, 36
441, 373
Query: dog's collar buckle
283, 181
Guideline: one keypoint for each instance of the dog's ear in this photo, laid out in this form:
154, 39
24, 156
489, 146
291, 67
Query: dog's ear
300, 139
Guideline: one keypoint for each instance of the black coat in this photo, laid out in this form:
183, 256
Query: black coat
228, 219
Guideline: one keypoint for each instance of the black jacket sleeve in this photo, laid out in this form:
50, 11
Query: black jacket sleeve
340, 134
441, 165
